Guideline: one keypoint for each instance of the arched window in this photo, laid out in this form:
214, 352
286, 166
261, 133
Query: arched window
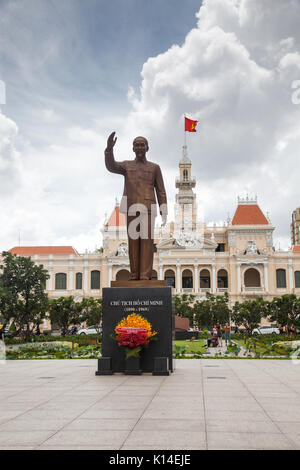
78, 281
185, 175
154, 275
170, 277
222, 279
252, 278
123, 275
280, 278
204, 279
297, 278
95, 280
187, 279
60, 281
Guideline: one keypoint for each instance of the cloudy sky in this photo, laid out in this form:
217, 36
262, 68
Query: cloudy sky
76, 70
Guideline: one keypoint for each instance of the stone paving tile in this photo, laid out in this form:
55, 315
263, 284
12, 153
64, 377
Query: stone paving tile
115, 403
101, 424
289, 427
295, 438
93, 437
283, 416
78, 447
21, 424
174, 413
2, 447
21, 438
236, 441
215, 425
166, 439
227, 415
111, 414
170, 425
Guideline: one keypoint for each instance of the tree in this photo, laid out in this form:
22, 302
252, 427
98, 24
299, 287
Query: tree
92, 311
65, 312
285, 310
23, 299
249, 313
183, 305
212, 311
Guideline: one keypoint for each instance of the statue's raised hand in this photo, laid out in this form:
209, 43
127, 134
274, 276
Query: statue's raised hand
111, 141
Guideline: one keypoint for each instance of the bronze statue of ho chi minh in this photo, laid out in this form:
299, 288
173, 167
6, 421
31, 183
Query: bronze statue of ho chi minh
142, 180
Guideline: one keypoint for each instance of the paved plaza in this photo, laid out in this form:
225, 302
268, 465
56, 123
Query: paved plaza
204, 404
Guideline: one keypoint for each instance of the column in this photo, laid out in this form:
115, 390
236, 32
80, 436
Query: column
196, 280
50, 271
86, 276
213, 278
266, 276
178, 280
291, 277
238, 275
161, 274
70, 280
109, 274
50, 280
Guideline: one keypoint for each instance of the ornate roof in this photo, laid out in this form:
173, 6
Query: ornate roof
249, 214
117, 219
43, 250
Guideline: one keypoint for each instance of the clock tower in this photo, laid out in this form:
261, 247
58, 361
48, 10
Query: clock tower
185, 207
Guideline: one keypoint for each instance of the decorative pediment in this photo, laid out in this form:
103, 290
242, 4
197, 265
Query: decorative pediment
121, 252
186, 241
251, 250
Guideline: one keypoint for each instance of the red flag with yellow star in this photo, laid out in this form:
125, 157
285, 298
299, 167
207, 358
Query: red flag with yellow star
190, 125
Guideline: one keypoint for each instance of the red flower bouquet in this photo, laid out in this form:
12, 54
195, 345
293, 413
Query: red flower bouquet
133, 333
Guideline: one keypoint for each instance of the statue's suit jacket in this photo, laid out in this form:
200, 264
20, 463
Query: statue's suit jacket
142, 180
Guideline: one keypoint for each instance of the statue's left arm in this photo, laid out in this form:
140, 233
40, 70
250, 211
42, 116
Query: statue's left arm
161, 194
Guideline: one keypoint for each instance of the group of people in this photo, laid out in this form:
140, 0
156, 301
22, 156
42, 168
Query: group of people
216, 338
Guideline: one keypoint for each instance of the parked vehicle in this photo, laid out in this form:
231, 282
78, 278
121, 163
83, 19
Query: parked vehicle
266, 330
90, 330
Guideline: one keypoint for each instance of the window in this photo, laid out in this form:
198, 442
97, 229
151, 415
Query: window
205, 279
187, 279
297, 278
95, 280
280, 278
170, 277
220, 247
185, 175
60, 281
78, 281
222, 279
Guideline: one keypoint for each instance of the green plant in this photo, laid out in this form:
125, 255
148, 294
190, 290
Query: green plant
180, 351
233, 348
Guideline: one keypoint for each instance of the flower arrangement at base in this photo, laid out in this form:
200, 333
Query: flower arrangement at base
133, 333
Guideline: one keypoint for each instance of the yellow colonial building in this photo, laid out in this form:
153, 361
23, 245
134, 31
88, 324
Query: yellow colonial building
191, 256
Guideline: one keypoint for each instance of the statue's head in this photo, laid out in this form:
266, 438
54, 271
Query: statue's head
140, 147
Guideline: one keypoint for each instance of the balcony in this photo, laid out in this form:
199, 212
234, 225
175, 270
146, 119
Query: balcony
253, 290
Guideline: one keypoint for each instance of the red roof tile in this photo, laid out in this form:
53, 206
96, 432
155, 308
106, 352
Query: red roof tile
296, 248
249, 214
116, 219
43, 250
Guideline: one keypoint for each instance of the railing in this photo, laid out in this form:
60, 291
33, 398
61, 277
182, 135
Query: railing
205, 289
187, 289
253, 289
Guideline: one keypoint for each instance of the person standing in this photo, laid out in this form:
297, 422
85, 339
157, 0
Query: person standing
227, 333
219, 335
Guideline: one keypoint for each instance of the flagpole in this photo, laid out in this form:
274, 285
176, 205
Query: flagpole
184, 130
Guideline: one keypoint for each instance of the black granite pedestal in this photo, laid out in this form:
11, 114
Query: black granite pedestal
152, 303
